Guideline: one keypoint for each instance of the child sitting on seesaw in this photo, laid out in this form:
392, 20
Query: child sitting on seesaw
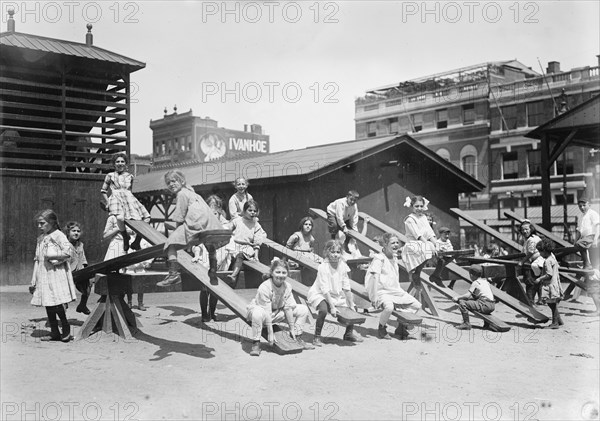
478, 298
274, 303
383, 286
192, 216
330, 290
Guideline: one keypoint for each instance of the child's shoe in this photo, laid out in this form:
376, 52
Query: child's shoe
382, 333
255, 352
66, 336
464, 326
401, 331
53, 336
317, 341
305, 345
83, 309
553, 326
205, 318
141, 307
173, 278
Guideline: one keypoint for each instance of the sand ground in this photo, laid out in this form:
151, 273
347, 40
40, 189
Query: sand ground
181, 368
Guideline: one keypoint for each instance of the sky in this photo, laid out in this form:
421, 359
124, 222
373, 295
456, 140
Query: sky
296, 68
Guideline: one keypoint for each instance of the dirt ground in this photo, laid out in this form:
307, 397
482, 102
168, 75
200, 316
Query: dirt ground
180, 368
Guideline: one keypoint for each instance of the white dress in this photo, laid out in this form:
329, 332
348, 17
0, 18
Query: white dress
333, 281
416, 252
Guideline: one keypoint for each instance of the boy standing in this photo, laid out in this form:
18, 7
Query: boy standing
442, 244
342, 215
588, 231
478, 298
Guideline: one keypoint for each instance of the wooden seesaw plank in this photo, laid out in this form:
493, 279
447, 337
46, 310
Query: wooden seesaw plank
506, 298
358, 289
118, 263
347, 315
494, 322
226, 294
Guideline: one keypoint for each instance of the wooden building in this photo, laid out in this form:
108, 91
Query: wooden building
64, 111
286, 184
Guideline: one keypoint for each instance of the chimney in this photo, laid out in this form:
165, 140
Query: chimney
553, 67
256, 128
245, 127
89, 38
11, 21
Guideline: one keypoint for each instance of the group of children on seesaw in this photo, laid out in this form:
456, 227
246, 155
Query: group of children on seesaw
57, 255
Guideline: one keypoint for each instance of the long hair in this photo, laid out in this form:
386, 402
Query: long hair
49, 216
178, 176
303, 220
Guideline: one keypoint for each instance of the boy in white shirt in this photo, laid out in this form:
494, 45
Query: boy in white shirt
478, 298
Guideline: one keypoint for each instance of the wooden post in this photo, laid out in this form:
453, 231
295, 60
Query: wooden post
546, 193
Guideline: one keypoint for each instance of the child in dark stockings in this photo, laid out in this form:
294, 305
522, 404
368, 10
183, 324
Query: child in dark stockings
551, 290
52, 283
77, 262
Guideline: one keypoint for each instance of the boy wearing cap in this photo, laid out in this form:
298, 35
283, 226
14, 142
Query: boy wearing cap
478, 298
342, 215
442, 244
588, 231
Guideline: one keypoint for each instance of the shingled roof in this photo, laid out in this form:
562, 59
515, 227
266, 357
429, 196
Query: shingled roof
308, 163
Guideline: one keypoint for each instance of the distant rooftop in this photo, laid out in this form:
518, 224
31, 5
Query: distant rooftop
86, 50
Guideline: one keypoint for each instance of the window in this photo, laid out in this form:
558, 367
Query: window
534, 201
163, 147
444, 153
468, 111
510, 117
371, 129
469, 165
535, 113
510, 165
567, 158
560, 199
417, 120
441, 117
534, 163
394, 125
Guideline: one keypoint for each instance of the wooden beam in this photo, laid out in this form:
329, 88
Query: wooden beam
546, 192
560, 147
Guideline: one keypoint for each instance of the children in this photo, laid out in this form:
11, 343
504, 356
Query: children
192, 216
274, 303
77, 262
530, 238
383, 286
421, 241
208, 300
442, 244
248, 236
550, 287
331, 289
239, 198
122, 203
478, 298
52, 283
342, 215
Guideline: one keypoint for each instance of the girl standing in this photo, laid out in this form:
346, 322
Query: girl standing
275, 303
550, 287
77, 262
532, 254
239, 198
192, 216
330, 290
207, 300
52, 283
248, 236
122, 203
383, 286
420, 246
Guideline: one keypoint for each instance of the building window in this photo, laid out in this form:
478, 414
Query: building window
534, 201
469, 165
535, 113
417, 120
393, 125
468, 112
444, 153
163, 148
534, 163
560, 199
568, 159
441, 116
510, 165
510, 117
371, 129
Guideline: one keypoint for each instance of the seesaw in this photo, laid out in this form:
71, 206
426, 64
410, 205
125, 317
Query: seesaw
405, 318
494, 323
345, 315
208, 278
